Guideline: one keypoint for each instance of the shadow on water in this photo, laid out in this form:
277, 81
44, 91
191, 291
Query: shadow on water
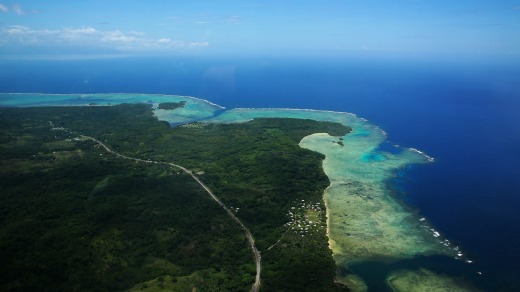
375, 273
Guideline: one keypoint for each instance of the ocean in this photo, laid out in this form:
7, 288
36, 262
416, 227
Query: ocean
462, 113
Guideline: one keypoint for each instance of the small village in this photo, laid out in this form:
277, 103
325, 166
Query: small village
197, 125
305, 217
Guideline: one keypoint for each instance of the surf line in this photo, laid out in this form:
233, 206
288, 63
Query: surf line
247, 232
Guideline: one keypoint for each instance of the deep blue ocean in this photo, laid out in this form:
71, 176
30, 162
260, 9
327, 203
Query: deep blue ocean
465, 114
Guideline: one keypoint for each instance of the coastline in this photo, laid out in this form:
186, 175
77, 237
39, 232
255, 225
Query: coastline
378, 227
83, 95
350, 173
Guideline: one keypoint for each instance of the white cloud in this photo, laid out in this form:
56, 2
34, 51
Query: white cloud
198, 44
15, 29
164, 40
118, 37
71, 34
89, 37
18, 9
83, 30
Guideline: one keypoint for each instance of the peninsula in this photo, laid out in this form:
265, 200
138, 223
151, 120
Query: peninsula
242, 199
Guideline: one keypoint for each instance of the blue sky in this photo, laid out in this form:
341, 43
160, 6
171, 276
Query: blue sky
268, 27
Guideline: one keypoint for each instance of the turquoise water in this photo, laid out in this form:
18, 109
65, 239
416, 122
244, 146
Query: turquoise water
465, 114
365, 221
194, 109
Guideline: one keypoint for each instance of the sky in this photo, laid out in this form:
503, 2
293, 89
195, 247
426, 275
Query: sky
267, 27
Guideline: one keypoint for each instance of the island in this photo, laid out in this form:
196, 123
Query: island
171, 105
138, 196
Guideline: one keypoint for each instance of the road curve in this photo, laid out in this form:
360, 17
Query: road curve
249, 235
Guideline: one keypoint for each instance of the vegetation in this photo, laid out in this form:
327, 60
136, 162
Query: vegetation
74, 217
171, 105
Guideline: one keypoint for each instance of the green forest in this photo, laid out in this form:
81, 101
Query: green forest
74, 217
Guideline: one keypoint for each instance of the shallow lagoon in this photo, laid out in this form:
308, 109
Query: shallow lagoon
365, 221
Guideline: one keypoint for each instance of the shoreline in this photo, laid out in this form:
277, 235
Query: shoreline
378, 226
116, 93
349, 176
